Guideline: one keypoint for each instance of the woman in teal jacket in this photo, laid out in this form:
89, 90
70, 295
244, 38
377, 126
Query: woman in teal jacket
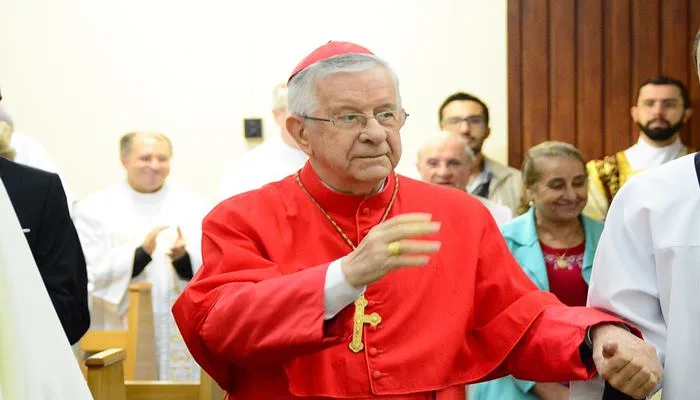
554, 243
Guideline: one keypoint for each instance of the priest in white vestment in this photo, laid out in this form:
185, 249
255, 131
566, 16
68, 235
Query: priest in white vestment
446, 159
275, 158
143, 229
647, 271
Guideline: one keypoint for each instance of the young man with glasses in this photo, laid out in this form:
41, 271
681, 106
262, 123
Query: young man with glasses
468, 116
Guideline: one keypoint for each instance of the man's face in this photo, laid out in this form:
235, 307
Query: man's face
352, 157
148, 163
466, 118
445, 163
660, 112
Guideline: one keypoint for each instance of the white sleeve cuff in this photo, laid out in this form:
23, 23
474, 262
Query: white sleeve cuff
338, 293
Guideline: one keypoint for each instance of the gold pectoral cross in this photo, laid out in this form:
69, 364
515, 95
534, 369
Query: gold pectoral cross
360, 319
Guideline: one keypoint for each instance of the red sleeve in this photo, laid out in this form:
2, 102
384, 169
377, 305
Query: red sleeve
555, 339
240, 309
530, 332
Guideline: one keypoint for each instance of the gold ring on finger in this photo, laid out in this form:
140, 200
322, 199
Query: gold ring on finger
394, 249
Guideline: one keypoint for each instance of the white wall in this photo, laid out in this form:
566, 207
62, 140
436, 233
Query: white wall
76, 74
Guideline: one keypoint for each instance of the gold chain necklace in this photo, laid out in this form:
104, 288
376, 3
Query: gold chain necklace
562, 261
360, 318
332, 221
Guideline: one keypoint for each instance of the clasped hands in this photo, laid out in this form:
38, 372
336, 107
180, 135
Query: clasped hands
176, 251
625, 361
628, 363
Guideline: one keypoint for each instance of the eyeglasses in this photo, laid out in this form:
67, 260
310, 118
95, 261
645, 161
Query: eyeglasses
388, 119
474, 120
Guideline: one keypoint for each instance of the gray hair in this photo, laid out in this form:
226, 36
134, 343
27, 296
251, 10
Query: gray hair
279, 97
435, 139
302, 87
126, 141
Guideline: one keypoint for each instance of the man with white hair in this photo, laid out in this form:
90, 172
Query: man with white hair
349, 281
270, 161
446, 159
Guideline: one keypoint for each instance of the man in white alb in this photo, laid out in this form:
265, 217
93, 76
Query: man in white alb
270, 161
143, 229
647, 269
446, 159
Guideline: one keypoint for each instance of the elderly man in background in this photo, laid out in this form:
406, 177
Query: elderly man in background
446, 159
143, 229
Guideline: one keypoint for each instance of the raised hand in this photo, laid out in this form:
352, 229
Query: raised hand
149, 243
178, 250
391, 245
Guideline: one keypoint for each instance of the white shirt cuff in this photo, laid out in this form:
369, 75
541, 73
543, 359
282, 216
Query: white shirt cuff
338, 293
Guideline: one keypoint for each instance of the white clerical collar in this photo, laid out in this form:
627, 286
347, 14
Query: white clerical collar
381, 188
642, 155
140, 197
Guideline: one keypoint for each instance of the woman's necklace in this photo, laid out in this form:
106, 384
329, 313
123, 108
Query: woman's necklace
563, 261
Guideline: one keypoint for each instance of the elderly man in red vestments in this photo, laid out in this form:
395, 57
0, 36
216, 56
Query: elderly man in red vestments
347, 280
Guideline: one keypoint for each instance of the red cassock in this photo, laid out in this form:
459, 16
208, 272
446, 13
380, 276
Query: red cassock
253, 316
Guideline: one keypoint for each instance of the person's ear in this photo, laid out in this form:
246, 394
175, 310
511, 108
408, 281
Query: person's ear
634, 114
297, 129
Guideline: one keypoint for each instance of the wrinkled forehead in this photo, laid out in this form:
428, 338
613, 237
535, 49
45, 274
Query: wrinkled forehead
445, 150
369, 87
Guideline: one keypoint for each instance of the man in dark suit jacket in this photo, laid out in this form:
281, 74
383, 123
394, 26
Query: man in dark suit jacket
41, 207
